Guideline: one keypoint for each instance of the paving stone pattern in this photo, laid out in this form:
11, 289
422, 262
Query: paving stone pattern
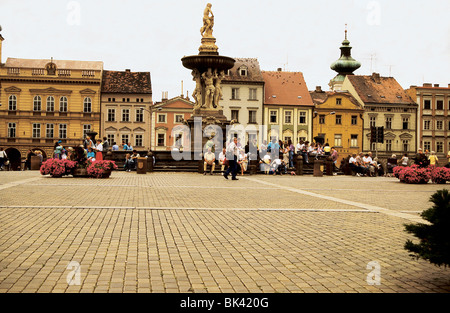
184, 232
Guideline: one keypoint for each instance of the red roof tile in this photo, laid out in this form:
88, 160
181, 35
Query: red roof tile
126, 82
286, 88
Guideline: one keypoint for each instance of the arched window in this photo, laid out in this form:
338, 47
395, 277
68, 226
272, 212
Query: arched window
37, 103
50, 104
63, 104
12, 103
87, 108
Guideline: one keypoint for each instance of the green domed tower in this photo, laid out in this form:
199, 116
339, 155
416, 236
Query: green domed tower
346, 65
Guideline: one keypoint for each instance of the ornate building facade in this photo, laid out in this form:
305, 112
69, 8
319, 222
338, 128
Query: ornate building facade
45, 101
126, 102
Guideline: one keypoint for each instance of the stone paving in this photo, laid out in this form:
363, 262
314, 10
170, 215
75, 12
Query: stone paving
184, 232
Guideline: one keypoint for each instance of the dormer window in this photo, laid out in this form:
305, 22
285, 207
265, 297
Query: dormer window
243, 71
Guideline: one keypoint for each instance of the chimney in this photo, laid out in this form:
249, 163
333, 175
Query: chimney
376, 78
279, 69
128, 70
319, 89
165, 95
427, 85
436, 85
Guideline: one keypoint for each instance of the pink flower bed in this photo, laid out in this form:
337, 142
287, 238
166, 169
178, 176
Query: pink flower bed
101, 168
416, 175
57, 167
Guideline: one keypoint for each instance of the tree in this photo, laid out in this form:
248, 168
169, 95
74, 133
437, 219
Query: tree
434, 237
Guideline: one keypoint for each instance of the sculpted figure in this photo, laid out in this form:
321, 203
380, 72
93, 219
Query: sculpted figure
209, 87
197, 94
208, 22
218, 90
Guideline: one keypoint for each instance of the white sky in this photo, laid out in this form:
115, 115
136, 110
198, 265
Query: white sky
406, 39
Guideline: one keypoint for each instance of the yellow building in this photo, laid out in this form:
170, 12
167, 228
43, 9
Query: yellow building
44, 101
338, 119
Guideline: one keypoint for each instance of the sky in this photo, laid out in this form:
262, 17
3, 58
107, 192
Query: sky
408, 40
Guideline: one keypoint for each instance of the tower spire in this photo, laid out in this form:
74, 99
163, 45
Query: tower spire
345, 65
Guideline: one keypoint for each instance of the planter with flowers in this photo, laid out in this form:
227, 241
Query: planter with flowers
413, 174
440, 175
57, 167
100, 168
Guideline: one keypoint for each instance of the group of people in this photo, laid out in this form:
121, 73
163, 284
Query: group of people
364, 165
276, 157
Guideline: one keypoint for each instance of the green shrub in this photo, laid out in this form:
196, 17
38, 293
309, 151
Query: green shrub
434, 237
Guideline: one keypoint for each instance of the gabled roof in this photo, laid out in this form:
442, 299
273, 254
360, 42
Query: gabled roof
377, 89
286, 88
253, 71
126, 82
320, 97
175, 103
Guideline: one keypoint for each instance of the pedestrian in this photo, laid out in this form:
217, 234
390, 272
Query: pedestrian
3, 158
99, 150
433, 159
115, 146
404, 160
232, 157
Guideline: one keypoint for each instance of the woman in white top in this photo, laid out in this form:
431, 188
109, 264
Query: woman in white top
99, 150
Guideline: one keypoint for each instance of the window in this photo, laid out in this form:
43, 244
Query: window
161, 118
234, 93
63, 104
12, 103
354, 141
388, 122
427, 104
243, 71
111, 139
138, 140
50, 104
37, 103
354, 120
427, 145
439, 147
406, 123
235, 115
302, 117
86, 129
125, 115
373, 121
287, 117
125, 138
139, 115
252, 117
36, 130
49, 131
388, 145
87, 106
11, 130
321, 119
252, 94
338, 101
111, 115
161, 140
273, 117
62, 131
426, 125
338, 140
439, 125
439, 105
405, 145
373, 146
338, 119
178, 118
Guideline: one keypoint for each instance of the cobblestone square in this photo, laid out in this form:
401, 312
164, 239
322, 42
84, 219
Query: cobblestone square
184, 232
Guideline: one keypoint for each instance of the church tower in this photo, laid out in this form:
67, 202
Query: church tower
346, 65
